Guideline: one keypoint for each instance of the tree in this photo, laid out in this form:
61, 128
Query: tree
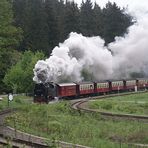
86, 18
115, 22
9, 34
61, 19
9, 40
52, 22
45, 23
20, 77
31, 16
72, 18
38, 28
97, 20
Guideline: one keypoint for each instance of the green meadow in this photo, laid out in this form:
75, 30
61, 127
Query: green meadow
58, 121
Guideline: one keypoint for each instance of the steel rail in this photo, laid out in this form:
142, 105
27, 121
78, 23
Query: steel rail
18, 139
79, 105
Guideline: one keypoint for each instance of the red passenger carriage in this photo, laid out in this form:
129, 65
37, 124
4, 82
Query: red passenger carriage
85, 88
117, 85
130, 84
66, 90
142, 83
102, 87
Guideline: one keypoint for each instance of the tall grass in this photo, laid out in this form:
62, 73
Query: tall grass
58, 121
132, 104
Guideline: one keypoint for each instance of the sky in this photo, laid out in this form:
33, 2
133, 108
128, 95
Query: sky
134, 6
131, 3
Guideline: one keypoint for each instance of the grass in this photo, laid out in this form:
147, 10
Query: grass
17, 102
58, 121
132, 104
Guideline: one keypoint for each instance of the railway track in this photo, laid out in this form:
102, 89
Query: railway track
17, 139
81, 105
8, 135
15, 143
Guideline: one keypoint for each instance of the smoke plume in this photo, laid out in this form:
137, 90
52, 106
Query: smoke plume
77, 58
86, 58
131, 52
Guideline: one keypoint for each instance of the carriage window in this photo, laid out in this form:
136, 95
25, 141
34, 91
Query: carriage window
82, 87
104, 85
86, 87
91, 86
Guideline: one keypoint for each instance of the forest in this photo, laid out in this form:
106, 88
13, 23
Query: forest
30, 29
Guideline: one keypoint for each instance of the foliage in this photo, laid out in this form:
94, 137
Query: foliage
46, 23
87, 75
115, 22
9, 34
72, 18
137, 75
19, 77
86, 18
97, 20
53, 23
7, 59
9, 40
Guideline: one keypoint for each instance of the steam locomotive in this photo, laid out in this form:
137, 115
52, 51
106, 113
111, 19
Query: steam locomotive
49, 91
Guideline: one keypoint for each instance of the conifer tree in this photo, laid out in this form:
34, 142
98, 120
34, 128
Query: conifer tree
52, 22
115, 22
72, 18
33, 20
97, 20
86, 18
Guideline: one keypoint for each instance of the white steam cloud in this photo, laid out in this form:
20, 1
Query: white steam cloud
76, 57
131, 52
80, 58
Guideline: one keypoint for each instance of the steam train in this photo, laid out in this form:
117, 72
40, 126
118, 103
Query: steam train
49, 91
